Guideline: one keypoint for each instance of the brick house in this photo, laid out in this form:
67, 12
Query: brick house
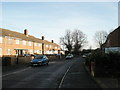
14, 43
113, 41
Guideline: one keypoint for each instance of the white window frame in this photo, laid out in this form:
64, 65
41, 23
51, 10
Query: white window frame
24, 42
30, 43
0, 51
1, 39
38, 44
35, 51
47, 46
35, 44
31, 51
10, 40
17, 41
38, 51
9, 51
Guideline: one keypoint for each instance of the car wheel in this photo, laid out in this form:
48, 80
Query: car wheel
46, 63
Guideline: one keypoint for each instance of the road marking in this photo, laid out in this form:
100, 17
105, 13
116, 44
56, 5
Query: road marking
64, 77
15, 72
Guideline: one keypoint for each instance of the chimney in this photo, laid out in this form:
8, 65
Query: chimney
52, 41
42, 37
26, 32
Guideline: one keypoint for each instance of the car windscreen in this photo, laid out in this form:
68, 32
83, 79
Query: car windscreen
38, 57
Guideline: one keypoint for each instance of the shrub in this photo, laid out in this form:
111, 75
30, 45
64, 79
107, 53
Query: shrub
114, 61
109, 63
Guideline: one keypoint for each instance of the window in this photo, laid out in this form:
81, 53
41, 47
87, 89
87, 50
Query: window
30, 43
35, 51
38, 51
50, 46
9, 40
46, 45
39, 44
0, 39
0, 51
24, 42
55, 47
35, 44
17, 41
31, 51
9, 52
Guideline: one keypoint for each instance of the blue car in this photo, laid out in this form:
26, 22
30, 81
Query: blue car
40, 60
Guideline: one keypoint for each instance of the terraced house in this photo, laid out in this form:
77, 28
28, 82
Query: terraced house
19, 44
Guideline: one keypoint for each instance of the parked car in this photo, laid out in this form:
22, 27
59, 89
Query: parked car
69, 56
40, 60
84, 56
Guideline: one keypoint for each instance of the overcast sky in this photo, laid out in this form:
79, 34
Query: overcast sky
51, 19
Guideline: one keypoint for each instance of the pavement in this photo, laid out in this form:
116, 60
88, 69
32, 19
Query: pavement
111, 83
12, 68
78, 77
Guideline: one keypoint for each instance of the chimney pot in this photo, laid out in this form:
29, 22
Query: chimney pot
42, 37
26, 32
52, 41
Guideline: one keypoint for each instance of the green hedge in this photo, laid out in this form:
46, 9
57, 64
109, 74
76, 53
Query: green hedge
109, 63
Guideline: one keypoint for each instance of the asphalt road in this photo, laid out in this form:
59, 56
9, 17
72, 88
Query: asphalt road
58, 74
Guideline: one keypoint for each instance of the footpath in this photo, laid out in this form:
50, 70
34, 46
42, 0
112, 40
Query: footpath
78, 77
110, 83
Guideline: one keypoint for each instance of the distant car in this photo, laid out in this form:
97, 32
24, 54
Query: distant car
69, 56
40, 60
84, 56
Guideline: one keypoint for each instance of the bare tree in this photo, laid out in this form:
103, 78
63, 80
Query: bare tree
100, 37
79, 39
67, 40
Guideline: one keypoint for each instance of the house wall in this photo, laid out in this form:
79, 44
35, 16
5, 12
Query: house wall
115, 38
113, 41
6, 45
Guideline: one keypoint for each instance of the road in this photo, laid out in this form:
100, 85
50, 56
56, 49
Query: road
58, 74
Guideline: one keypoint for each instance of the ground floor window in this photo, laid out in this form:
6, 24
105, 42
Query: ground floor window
9, 51
31, 51
0, 51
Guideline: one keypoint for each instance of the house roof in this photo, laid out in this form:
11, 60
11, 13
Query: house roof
6, 32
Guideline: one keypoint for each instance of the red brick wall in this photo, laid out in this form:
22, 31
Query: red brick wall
115, 38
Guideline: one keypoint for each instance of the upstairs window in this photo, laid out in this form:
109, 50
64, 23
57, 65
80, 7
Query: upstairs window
46, 45
9, 40
35, 44
30, 43
17, 41
39, 44
0, 39
24, 42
